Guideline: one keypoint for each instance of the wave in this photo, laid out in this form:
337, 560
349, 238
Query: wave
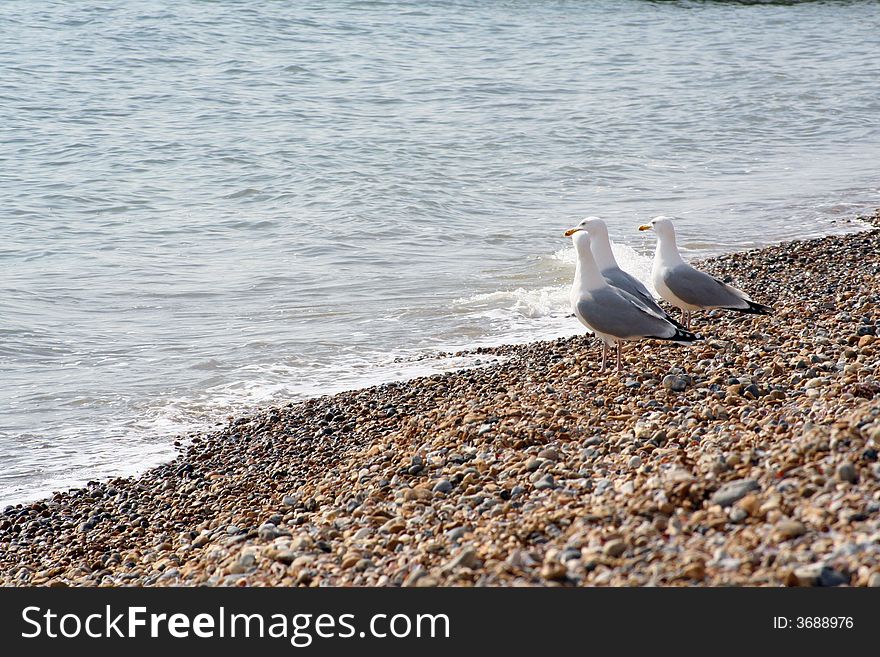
552, 300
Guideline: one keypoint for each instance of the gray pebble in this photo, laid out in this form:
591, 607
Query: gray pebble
442, 486
738, 514
545, 482
268, 531
733, 491
675, 383
847, 472
456, 533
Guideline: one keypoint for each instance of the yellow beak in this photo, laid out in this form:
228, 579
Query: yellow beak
571, 231
645, 227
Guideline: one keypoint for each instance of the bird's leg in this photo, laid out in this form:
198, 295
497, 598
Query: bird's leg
604, 353
684, 318
619, 350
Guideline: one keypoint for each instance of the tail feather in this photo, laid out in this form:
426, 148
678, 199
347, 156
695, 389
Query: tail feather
681, 336
754, 308
675, 322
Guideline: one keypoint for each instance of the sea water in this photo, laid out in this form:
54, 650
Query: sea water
209, 207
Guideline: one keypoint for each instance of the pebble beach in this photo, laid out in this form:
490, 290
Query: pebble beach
749, 458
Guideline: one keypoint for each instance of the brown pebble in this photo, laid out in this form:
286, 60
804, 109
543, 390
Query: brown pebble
789, 529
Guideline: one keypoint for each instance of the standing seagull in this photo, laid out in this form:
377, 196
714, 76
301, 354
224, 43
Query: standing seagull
600, 245
612, 314
690, 289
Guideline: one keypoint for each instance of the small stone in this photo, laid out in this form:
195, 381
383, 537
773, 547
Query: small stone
751, 504
393, 526
675, 383
789, 529
414, 576
695, 571
235, 569
545, 482
549, 454
847, 472
635, 462
289, 500
816, 574
614, 548
361, 534
738, 514
569, 553
268, 531
286, 556
301, 561
442, 486
734, 491
302, 542
874, 580
456, 533
751, 391
466, 558
553, 571
349, 561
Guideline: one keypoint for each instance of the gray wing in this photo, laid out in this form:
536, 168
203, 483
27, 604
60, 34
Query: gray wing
616, 313
699, 289
622, 280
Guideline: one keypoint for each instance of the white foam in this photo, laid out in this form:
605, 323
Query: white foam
549, 301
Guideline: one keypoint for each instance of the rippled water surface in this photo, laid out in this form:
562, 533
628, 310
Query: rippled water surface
209, 206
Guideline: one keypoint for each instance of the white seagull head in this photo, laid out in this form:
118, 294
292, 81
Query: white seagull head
662, 226
580, 236
594, 226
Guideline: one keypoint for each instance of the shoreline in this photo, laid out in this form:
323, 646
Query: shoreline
754, 463
157, 447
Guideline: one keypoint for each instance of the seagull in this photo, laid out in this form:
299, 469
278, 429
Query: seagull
612, 314
600, 245
690, 289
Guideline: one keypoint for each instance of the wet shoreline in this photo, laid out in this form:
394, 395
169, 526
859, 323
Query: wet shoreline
750, 458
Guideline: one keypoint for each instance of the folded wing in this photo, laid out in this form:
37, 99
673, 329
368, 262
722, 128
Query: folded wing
699, 289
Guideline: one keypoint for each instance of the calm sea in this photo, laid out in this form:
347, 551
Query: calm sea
206, 207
